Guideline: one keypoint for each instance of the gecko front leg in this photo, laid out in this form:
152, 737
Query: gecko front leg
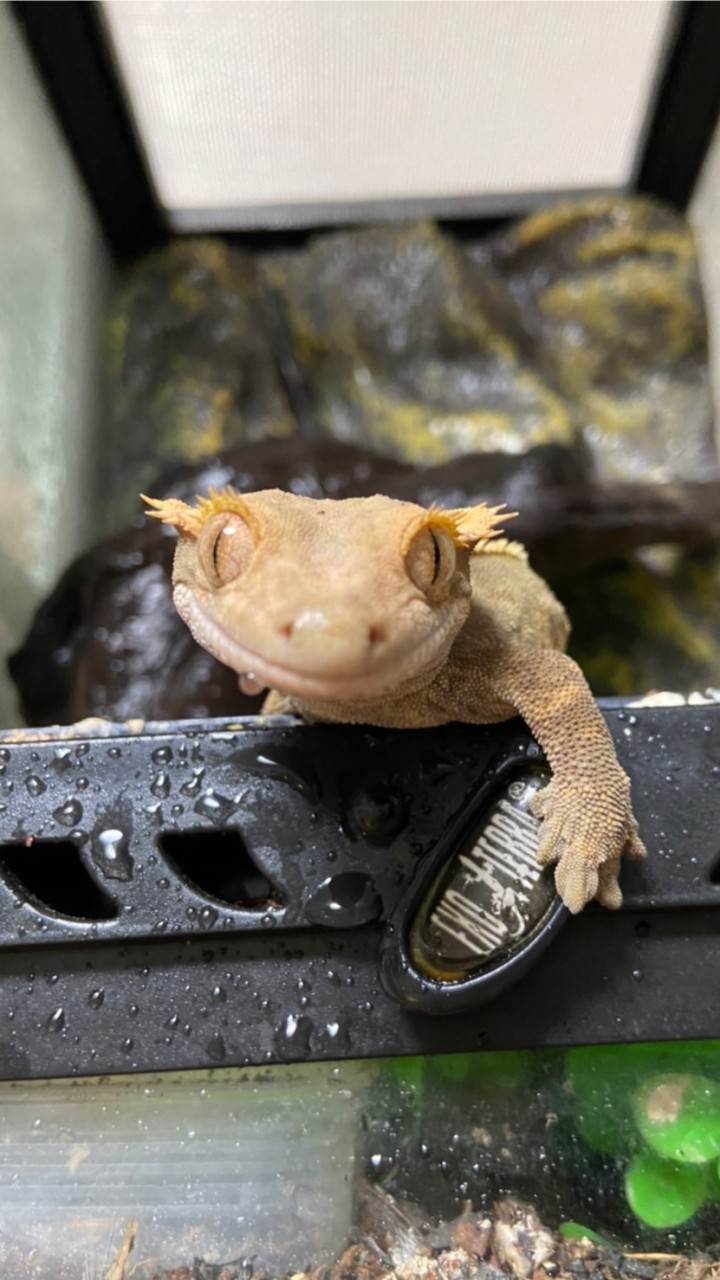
587, 819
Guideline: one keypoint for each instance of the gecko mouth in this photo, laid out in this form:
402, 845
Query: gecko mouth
257, 673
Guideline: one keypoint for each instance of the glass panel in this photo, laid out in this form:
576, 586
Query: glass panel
297, 1167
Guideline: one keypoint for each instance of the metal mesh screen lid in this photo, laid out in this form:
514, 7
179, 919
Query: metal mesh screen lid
262, 111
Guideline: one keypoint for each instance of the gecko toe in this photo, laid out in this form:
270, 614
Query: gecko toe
609, 893
635, 849
576, 882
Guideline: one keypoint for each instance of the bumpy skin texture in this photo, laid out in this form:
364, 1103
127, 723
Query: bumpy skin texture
374, 611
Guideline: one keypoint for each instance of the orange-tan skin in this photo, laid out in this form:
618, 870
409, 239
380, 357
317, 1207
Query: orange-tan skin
374, 611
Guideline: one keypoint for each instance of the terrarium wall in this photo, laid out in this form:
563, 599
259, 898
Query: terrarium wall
705, 219
54, 279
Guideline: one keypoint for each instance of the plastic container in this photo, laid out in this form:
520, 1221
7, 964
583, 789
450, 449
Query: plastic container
215, 1164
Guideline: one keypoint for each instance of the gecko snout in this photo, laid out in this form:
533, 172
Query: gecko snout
336, 640
318, 622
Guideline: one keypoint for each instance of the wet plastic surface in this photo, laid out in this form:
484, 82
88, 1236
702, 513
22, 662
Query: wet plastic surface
231, 885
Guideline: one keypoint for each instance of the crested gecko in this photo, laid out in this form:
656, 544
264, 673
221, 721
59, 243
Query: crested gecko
380, 612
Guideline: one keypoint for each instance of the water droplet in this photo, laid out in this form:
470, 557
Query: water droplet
35, 785
292, 1038
96, 998
208, 916
162, 755
56, 1021
161, 785
215, 807
216, 1048
127, 1045
69, 813
173, 1022
288, 765
377, 814
345, 900
335, 1037
82, 784
218, 995
114, 753
193, 785
4, 755
163, 883
110, 854
62, 759
637, 975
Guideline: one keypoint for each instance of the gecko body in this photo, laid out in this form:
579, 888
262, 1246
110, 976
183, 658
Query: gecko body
380, 612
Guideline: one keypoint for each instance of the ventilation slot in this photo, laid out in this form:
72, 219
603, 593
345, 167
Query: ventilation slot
218, 864
52, 875
715, 871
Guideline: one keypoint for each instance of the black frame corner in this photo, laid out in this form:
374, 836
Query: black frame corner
686, 106
70, 51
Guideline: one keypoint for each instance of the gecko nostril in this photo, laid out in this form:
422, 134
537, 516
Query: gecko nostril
375, 635
286, 630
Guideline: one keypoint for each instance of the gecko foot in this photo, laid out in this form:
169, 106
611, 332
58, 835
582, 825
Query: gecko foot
586, 831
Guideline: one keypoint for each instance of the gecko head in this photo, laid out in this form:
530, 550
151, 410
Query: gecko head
319, 598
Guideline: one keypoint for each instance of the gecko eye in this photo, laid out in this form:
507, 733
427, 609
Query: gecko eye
431, 560
225, 548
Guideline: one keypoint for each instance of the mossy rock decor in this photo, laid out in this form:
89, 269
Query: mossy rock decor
401, 345
609, 299
191, 367
581, 324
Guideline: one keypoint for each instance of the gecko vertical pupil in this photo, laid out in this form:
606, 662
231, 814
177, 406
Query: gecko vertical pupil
430, 560
437, 556
215, 552
226, 548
